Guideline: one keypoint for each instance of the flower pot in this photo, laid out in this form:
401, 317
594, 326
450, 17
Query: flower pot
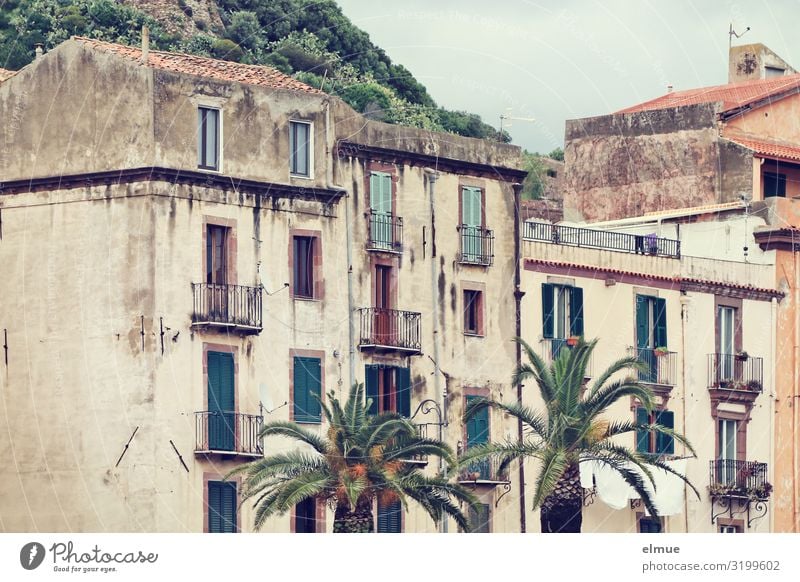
572, 341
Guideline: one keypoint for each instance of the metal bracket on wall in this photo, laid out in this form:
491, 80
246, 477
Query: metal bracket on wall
5, 345
125, 450
142, 331
161, 324
180, 458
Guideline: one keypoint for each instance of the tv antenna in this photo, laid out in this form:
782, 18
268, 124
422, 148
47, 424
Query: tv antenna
732, 33
508, 117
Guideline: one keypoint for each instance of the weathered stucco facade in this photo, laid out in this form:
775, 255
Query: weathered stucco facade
105, 219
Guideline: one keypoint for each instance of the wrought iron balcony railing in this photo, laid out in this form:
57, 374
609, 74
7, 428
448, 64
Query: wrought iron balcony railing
484, 471
477, 245
738, 478
385, 232
229, 433
661, 365
390, 330
739, 372
552, 348
235, 307
648, 244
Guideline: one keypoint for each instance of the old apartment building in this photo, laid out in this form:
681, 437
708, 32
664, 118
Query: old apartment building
191, 248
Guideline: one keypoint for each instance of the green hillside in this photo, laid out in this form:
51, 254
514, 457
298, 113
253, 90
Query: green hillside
309, 39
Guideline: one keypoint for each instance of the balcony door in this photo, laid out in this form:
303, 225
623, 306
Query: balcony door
478, 434
651, 333
380, 202
221, 402
726, 316
385, 327
727, 450
471, 224
217, 272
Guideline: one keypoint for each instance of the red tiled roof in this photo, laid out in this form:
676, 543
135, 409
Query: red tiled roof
5, 74
204, 66
731, 96
768, 149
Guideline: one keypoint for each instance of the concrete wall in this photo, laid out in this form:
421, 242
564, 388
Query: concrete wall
749, 62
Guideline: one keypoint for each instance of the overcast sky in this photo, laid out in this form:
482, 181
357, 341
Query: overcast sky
574, 58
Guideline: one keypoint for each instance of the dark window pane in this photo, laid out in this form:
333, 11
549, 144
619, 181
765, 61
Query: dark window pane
304, 266
774, 185
305, 516
221, 507
649, 525
208, 138
471, 306
299, 148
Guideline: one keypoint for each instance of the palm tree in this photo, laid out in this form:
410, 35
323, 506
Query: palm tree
572, 430
364, 457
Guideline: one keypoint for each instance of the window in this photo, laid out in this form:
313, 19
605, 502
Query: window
307, 389
651, 442
380, 202
221, 423
480, 519
472, 224
390, 517
389, 387
774, 185
651, 333
208, 138
473, 312
562, 315
730, 529
300, 148
222, 507
477, 430
772, 72
726, 318
217, 254
305, 516
303, 249
649, 525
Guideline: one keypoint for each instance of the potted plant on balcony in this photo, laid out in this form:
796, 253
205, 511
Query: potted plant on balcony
754, 386
573, 340
760, 492
742, 356
661, 351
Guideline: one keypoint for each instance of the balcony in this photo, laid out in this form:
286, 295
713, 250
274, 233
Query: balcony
385, 233
423, 432
228, 307
648, 244
228, 433
736, 374
551, 350
483, 472
390, 330
739, 479
661, 366
477, 246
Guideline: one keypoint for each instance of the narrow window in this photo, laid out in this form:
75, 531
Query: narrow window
305, 516
307, 390
303, 266
216, 254
221, 397
729, 529
649, 525
300, 148
208, 138
390, 517
222, 507
651, 442
473, 304
389, 389
479, 519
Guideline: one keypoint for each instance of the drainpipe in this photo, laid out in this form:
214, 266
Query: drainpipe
772, 396
351, 310
684, 314
517, 188
432, 175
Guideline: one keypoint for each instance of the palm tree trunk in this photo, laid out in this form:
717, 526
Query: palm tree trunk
346, 520
562, 510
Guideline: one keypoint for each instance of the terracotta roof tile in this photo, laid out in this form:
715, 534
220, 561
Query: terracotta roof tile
205, 67
731, 96
767, 148
6, 74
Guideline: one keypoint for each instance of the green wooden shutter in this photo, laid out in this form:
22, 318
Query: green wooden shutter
547, 310
642, 436
403, 383
380, 192
221, 403
307, 389
576, 311
371, 373
660, 326
665, 444
477, 426
471, 206
221, 507
642, 322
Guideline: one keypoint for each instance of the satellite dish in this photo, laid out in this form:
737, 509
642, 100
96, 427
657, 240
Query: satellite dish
264, 397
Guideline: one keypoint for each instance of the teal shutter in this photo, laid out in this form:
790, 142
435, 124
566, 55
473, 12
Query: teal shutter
479, 520
221, 404
380, 192
221, 507
660, 326
471, 207
642, 436
477, 426
665, 444
403, 383
576, 311
642, 322
547, 309
307, 389
371, 373
390, 517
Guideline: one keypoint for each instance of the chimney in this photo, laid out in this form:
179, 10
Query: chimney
39, 51
669, 88
145, 44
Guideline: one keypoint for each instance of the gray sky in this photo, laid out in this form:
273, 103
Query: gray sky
575, 58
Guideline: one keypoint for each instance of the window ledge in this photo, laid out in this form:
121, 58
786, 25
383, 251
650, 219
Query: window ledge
307, 299
479, 335
300, 177
209, 170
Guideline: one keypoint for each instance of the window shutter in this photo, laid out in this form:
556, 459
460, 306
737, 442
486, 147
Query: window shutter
221, 404
642, 322
307, 384
380, 192
221, 507
477, 426
300, 390
665, 444
214, 508
228, 507
660, 331
547, 310
479, 520
371, 373
314, 389
576, 311
403, 383
642, 436
389, 517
